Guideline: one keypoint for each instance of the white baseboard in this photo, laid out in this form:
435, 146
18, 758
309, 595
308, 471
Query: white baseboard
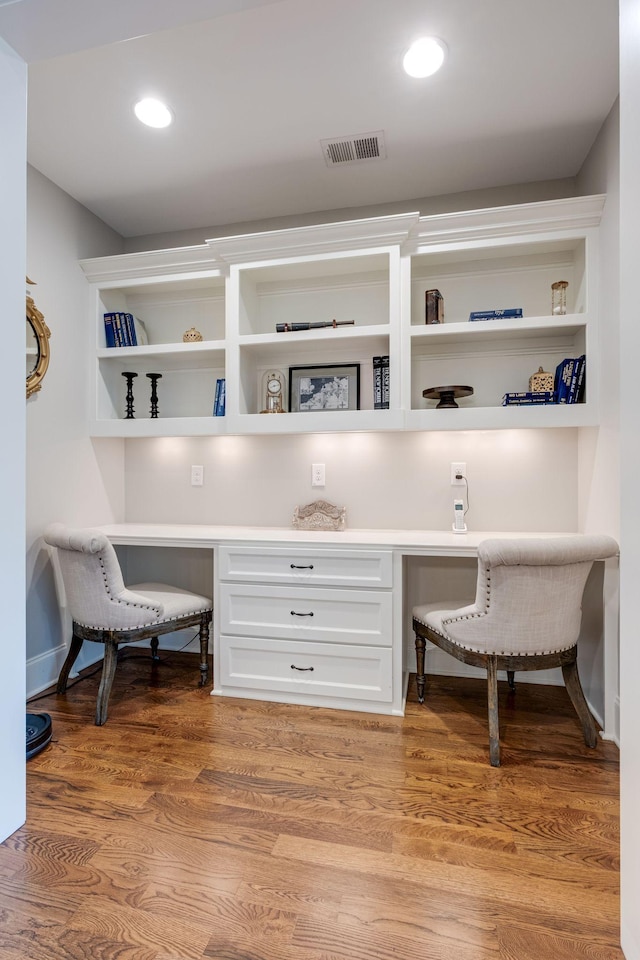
43, 670
614, 737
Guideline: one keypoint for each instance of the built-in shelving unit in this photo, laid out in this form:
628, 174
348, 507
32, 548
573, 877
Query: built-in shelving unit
374, 272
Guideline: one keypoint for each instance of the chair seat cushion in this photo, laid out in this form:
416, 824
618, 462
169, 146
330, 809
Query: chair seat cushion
436, 616
432, 614
174, 601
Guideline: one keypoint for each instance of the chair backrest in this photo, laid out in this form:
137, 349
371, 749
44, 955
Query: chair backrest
529, 594
95, 591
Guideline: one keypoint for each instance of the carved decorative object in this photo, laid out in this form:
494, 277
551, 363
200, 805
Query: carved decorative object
191, 336
319, 515
542, 380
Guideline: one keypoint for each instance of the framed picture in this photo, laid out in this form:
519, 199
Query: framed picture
334, 386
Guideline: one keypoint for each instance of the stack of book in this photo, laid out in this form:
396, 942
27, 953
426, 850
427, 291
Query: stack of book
528, 397
570, 380
569, 386
381, 383
124, 330
510, 313
220, 398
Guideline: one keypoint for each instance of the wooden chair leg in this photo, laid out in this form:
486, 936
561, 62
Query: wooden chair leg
154, 648
106, 681
494, 726
204, 650
72, 656
574, 689
511, 680
420, 677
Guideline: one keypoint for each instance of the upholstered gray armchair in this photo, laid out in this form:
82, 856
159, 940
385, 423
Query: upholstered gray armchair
526, 616
105, 611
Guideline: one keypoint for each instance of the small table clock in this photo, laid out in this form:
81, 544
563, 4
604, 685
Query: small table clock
273, 392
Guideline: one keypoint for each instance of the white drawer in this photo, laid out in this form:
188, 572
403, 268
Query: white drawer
313, 613
320, 669
330, 566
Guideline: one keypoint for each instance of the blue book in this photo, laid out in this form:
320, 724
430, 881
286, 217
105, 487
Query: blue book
510, 313
117, 330
548, 395
522, 402
112, 321
220, 398
582, 376
124, 327
576, 377
109, 333
131, 330
564, 373
523, 399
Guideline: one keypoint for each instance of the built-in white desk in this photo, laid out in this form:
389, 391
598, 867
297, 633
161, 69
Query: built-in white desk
318, 618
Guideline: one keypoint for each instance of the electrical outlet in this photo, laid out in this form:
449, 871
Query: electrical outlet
317, 475
197, 476
458, 469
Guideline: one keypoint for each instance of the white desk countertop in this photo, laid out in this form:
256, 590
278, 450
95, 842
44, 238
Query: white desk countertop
423, 542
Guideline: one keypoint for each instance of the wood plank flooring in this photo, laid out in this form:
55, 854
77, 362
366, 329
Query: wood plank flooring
194, 827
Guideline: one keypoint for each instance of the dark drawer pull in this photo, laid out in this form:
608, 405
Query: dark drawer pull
294, 566
301, 669
294, 614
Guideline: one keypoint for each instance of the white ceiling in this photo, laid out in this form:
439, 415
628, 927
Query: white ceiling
256, 84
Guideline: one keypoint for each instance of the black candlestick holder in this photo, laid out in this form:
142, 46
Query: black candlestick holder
154, 377
129, 415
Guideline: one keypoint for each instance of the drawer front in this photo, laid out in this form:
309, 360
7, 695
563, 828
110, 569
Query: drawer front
324, 670
342, 616
331, 566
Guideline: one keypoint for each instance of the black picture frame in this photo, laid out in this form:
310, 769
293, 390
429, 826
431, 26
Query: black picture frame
318, 387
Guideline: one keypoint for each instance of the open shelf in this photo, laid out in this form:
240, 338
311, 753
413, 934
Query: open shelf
374, 272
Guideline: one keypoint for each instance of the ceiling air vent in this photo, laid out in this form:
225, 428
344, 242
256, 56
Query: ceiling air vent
366, 146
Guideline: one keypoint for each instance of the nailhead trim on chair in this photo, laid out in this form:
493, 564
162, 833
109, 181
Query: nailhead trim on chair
128, 603
474, 616
132, 603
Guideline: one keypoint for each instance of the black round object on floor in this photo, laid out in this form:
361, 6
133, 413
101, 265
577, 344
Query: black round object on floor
38, 733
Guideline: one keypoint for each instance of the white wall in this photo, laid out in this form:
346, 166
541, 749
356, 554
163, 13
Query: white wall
69, 477
630, 463
447, 203
13, 98
518, 479
600, 448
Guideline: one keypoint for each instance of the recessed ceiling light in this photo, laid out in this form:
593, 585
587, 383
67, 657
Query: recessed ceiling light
424, 57
153, 112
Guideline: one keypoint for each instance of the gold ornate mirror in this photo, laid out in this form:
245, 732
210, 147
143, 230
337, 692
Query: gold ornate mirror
38, 334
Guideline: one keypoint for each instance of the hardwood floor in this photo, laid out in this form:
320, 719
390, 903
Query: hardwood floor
194, 827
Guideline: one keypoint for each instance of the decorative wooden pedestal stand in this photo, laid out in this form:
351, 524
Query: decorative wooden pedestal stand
154, 377
129, 415
447, 395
